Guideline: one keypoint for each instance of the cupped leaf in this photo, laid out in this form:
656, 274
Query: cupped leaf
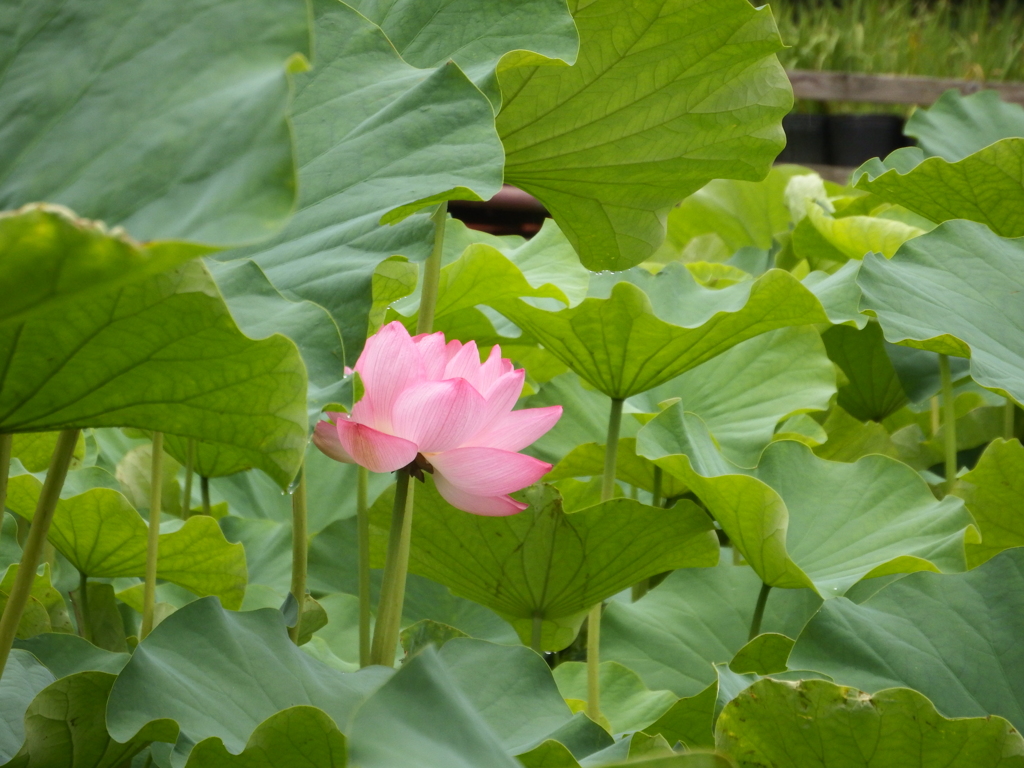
627, 703
543, 564
220, 674
839, 294
103, 536
764, 655
693, 620
953, 638
587, 460
853, 236
739, 214
55, 611
475, 35
66, 725
52, 256
872, 389
598, 143
956, 126
816, 723
65, 654
372, 134
170, 120
994, 494
954, 291
420, 717
22, 679
123, 357
34, 449
622, 347
297, 737
743, 393
801, 521
986, 187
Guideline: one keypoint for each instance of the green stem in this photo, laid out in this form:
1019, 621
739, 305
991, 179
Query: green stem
6, 444
45, 507
936, 415
948, 421
536, 632
83, 605
1009, 419
156, 481
363, 524
762, 600
611, 451
300, 548
204, 488
396, 567
190, 463
641, 588
432, 272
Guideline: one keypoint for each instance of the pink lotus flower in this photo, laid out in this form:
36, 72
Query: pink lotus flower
434, 406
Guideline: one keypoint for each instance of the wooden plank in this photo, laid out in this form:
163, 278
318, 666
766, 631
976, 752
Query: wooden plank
889, 89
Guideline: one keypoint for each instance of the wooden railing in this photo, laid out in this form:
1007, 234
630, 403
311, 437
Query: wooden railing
889, 89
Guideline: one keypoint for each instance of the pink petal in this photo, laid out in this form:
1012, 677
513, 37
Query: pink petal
432, 349
501, 398
488, 471
438, 415
325, 437
491, 370
491, 506
465, 364
390, 362
375, 450
518, 429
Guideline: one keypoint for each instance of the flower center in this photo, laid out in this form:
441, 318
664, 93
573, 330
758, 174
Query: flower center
418, 466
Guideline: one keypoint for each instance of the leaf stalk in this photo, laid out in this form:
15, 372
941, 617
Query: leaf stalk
948, 421
153, 541
300, 550
41, 519
396, 568
190, 463
363, 524
762, 600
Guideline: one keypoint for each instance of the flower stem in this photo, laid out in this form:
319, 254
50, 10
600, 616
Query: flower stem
611, 451
432, 272
300, 544
153, 543
762, 600
83, 605
45, 507
190, 463
948, 421
1009, 421
396, 567
204, 487
641, 588
363, 523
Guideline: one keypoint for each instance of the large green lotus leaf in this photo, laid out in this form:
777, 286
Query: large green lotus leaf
220, 674
627, 703
746, 391
23, 678
849, 439
956, 126
802, 521
584, 419
134, 475
994, 494
674, 635
872, 388
739, 213
622, 347
34, 449
474, 34
43, 594
162, 354
544, 562
261, 311
51, 256
954, 291
372, 134
839, 294
66, 725
420, 717
297, 737
951, 637
854, 236
103, 536
512, 689
65, 654
168, 119
817, 723
664, 97
986, 187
